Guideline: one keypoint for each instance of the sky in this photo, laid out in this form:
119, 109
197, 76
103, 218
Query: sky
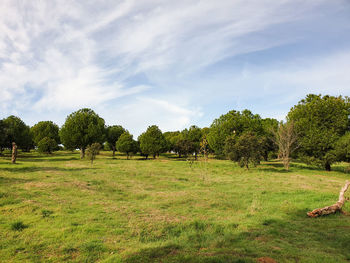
169, 63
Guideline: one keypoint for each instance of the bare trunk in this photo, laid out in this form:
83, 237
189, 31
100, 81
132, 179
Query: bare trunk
82, 153
14, 152
113, 148
327, 167
333, 208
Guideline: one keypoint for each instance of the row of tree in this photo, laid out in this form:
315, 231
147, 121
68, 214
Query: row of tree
317, 131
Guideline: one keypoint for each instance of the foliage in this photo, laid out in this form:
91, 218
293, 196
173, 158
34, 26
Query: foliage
195, 136
152, 142
47, 145
81, 129
320, 122
17, 131
244, 149
127, 144
233, 122
268, 146
342, 148
93, 150
48, 130
112, 135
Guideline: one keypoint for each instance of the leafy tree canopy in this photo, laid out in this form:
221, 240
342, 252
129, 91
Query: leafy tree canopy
82, 128
152, 142
17, 131
127, 144
45, 129
320, 122
112, 135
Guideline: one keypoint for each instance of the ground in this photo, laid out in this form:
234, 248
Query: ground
58, 208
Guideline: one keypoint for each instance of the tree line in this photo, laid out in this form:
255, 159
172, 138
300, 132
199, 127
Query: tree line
316, 131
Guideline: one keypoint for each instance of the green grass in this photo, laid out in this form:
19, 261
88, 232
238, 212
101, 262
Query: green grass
58, 208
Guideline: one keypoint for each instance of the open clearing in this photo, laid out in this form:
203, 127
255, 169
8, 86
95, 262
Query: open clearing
59, 208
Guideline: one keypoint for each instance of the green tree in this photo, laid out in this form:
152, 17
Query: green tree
342, 148
233, 122
48, 130
17, 131
82, 128
195, 137
270, 126
93, 150
320, 122
126, 144
244, 149
152, 141
47, 145
113, 134
2, 136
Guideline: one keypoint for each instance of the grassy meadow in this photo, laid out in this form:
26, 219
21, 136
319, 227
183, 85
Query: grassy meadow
58, 208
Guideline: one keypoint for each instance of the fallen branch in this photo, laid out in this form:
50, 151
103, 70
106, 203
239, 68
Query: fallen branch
333, 208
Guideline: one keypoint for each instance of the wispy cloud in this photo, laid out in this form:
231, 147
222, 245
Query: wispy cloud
58, 56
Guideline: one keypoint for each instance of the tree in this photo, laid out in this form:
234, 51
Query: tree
82, 128
244, 149
342, 148
268, 144
47, 145
113, 134
93, 150
127, 144
152, 142
230, 123
195, 137
17, 131
46, 134
286, 139
320, 122
2, 136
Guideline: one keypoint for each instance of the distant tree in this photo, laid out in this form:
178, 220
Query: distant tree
126, 144
286, 140
47, 145
152, 142
268, 145
195, 137
17, 131
113, 134
2, 136
233, 122
46, 132
320, 122
244, 149
170, 141
93, 150
82, 128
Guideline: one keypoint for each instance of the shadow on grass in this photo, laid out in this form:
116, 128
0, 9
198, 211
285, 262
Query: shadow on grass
17, 169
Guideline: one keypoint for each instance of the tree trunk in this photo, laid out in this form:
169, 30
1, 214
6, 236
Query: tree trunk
14, 152
327, 167
333, 208
154, 156
195, 156
113, 148
127, 156
82, 153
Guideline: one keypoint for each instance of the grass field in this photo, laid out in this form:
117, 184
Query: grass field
58, 208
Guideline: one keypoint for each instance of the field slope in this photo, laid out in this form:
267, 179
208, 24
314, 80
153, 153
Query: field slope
58, 208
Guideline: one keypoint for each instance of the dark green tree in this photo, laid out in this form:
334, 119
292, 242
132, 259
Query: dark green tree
82, 128
320, 122
126, 144
17, 131
47, 145
2, 136
270, 126
152, 141
342, 148
48, 130
113, 134
244, 149
195, 137
233, 122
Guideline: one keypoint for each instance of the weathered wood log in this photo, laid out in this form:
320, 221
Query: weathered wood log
333, 208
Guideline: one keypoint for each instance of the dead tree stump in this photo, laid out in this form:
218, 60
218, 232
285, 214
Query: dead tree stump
333, 208
14, 152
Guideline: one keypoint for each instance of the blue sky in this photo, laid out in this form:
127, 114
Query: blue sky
170, 63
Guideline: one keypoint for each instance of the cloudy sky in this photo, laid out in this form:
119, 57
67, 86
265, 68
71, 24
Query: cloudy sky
170, 63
